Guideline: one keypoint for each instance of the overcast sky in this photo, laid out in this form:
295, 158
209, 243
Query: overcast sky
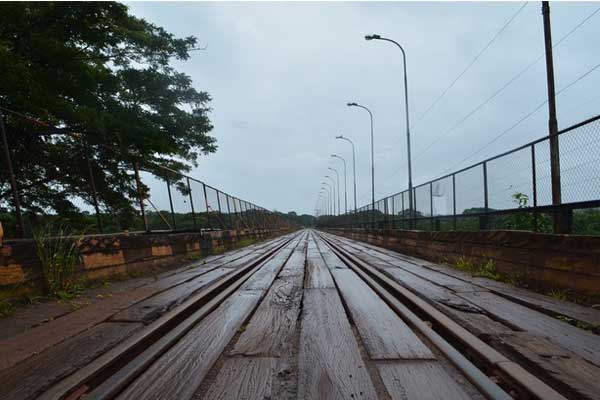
280, 75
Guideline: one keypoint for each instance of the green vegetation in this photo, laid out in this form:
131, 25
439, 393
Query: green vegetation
57, 252
6, 308
101, 82
304, 219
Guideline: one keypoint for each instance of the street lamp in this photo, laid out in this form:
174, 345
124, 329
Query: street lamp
345, 182
372, 154
353, 164
337, 175
410, 190
330, 193
333, 190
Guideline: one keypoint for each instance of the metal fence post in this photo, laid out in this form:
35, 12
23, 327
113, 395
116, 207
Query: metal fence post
534, 188
221, 222
403, 213
191, 201
138, 183
413, 222
171, 202
453, 201
431, 203
11, 176
93, 186
227, 197
483, 222
207, 206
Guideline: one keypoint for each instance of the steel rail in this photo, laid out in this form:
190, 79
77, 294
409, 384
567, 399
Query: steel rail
395, 295
108, 374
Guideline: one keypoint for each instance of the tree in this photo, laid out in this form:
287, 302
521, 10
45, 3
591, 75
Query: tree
101, 81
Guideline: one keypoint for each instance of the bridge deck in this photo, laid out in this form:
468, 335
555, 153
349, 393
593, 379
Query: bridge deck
311, 316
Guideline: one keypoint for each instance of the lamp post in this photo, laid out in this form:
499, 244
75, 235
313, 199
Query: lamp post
331, 194
333, 190
345, 183
337, 176
353, 164
372, 155
410, 188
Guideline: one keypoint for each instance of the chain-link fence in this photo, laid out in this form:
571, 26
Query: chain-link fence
510, 191
50, 176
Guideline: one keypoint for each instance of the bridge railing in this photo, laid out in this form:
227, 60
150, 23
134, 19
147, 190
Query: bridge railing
52, 177
509, 191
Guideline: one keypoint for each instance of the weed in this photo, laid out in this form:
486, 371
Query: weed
488, 270
465, 265
559, 294
58, 256
6, 308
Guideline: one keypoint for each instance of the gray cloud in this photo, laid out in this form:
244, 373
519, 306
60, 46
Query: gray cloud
281, 73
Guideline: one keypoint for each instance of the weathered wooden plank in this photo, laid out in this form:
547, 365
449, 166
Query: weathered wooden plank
330, 365
427, 289
526, 297
384, 334
29, 378
244, 379
579, 341
272, 326
178, 373
262, 279
155, 306
420, 380
566, 367
317, 274
296, 262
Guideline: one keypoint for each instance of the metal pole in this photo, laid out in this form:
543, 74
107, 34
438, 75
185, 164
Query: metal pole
337, 176
454, 201
93, 186
377, 37
431, 203
552, 123
345, 183
534, 182
11, 174
207, 206
333, 191
191, 201
171, 203
485, 197
138, 183
353, 166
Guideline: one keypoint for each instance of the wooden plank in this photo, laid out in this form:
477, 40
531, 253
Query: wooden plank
579, 341
29, 378
330, 365
426, 289
295, 264
262, 279
573, 372
383, 333
317, 274
242, 379
178, 373
155, 306
271, 328
420, 380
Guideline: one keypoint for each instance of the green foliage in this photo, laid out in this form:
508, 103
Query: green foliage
57, 252
6, 308
487, 270
103, 76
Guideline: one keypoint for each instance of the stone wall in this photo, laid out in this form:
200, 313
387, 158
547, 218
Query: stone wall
542, 260
104, 255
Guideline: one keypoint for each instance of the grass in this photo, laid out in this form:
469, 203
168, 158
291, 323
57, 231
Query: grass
57, 252
7, 308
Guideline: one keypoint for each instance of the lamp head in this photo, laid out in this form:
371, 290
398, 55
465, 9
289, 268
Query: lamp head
339, 137
372, 37
351, 104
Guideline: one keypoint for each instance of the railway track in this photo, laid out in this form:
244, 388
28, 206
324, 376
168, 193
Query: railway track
308, 316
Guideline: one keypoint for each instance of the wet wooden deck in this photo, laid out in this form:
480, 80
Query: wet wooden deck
305, 326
